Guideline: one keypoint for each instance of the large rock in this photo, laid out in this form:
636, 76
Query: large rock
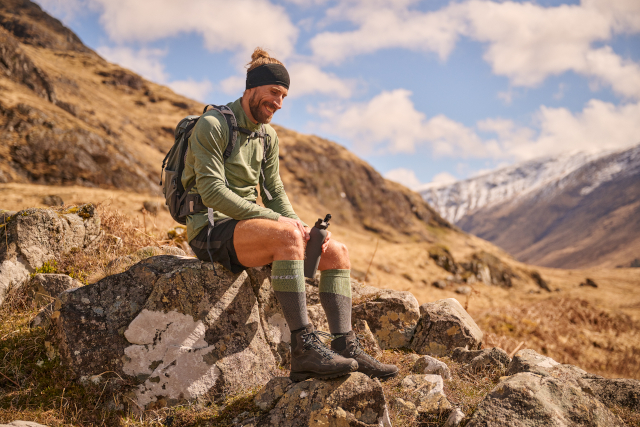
33, 236
426, 392
530, 400
616, 391
443, 326
392, 316
352, 400
430, 365
177, 327
494, 357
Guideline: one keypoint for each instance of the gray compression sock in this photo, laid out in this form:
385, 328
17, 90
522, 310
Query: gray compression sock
335, 297
287, 279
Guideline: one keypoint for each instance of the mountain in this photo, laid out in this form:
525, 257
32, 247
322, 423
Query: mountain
68, 117
571, 211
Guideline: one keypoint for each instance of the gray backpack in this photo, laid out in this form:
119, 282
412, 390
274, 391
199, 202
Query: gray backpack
178, 199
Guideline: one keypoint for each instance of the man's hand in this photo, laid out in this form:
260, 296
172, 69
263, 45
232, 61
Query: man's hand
298, 224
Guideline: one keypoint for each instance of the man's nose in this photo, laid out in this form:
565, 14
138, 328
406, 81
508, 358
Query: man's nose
278, 102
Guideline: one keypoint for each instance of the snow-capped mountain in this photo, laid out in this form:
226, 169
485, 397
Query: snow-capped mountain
573, 210
454, 201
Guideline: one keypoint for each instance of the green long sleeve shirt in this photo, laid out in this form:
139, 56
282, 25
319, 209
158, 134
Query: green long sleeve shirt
204, 163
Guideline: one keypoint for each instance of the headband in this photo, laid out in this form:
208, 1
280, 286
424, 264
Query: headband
268, 74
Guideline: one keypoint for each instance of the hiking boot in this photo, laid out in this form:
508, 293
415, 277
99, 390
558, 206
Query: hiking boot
310, 358
348, 345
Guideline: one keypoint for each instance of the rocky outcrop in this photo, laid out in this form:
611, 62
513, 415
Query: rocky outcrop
617, 391
353, 400
178, 328
482, 359
444, 325
35, 236
529, 400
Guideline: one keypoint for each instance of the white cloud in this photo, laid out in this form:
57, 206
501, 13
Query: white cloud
404, 176
389, 122
525, 42
444, 178
237, 26
233, 85
309, 78
197, 90
146, 62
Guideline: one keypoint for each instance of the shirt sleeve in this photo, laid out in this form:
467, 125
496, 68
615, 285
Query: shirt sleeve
280, 202
207, 143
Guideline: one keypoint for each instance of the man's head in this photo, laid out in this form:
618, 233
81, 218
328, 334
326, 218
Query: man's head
267, 86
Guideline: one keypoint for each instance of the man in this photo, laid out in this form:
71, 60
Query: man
245, 234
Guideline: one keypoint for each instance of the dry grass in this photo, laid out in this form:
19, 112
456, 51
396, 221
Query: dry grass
570, 330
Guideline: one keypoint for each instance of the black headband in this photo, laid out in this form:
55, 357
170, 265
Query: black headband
268, 74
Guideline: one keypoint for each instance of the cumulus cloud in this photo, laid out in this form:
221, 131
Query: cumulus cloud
310, 79
238, 26
404, 176
389, 122
525, 42
146, 62
193, 89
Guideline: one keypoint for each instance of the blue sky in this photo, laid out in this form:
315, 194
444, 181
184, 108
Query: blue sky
422, 90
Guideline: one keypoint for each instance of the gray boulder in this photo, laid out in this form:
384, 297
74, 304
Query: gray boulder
617, 391
430, 365
19, 423
35, 236
178, 328
426, 392
530, 400
455, 418
444, 325
482, 359
352, 400
391, 315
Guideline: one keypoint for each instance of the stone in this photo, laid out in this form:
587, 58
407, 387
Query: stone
455, 418
443, 326
529, 400
178, 328
589, 282
463, 290
43, 318
35, 236
401, 405
269, 395
440, 284
352, 400
529, 361
52, 200
392, 316
430, 365
151, 206
443, 258
535, 275
427, 393
617, 391
494, 357
489, 269
45, 287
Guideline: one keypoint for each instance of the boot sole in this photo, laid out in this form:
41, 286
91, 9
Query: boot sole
385, 377
301, 376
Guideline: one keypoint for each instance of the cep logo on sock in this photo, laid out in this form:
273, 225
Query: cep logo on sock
289, 276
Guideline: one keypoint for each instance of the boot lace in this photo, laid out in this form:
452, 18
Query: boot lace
359, 349
313, 341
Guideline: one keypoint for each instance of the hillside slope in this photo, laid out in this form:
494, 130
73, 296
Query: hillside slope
572, 211
67, 116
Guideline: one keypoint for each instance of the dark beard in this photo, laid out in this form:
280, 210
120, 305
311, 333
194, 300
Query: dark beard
256, 111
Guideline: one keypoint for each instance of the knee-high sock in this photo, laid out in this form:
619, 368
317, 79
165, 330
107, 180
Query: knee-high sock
335, 297
287, 279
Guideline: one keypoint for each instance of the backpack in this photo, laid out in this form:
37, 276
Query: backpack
177, 198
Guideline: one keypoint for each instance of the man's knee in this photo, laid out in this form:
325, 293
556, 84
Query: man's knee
289, 239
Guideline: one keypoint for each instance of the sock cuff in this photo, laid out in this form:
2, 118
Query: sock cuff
288, 276
336, 282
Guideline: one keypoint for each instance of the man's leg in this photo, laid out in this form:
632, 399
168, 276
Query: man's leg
335, 296
258, 242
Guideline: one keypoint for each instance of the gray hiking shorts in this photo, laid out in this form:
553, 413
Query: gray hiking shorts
217, 245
